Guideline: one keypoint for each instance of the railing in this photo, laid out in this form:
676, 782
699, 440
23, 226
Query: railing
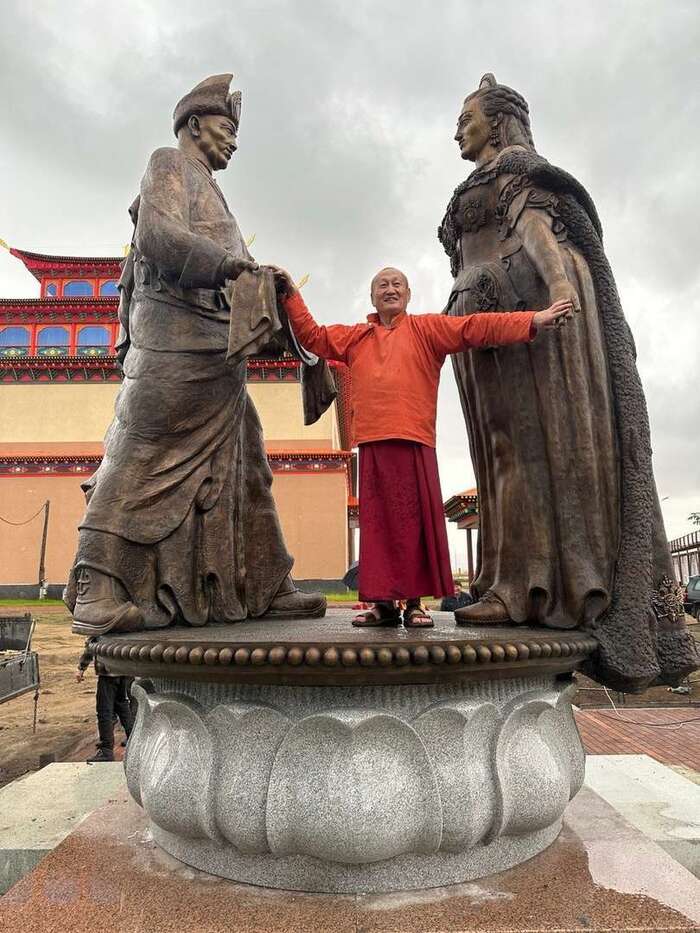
55, 350
685, 543
94, 351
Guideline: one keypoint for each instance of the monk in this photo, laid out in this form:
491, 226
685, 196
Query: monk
395, 361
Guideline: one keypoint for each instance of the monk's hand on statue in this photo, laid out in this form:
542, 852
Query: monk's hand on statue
284, 283
563, 290
234, 266
554, 316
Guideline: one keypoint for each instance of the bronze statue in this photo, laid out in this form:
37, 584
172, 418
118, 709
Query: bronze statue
181, 526
571, 532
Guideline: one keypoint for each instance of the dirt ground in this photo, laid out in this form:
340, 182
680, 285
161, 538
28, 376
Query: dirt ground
66, 725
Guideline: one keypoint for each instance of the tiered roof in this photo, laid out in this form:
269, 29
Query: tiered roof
462, 505
42, 265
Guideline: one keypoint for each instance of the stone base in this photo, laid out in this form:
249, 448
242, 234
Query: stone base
320, 757
405, 873
355, 789
598, 875
40, 809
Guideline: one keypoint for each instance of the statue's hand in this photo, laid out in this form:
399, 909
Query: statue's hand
234, 266
563, 290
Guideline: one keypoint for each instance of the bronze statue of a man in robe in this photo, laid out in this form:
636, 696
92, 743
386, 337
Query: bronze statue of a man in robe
181, 525
571, 533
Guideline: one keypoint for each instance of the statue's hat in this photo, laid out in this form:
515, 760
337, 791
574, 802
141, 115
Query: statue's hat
209, 96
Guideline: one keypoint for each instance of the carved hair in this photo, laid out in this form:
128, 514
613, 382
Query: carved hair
508, 112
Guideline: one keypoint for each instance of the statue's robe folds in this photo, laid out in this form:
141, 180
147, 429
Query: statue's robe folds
180, 510
571, 533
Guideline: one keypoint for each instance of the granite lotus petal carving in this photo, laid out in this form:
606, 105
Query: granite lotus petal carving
357, 785
246, 738
171, 772
539, 762
460, 738
353, 786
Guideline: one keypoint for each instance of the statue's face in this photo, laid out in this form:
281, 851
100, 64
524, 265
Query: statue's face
473, 130
216, 140
390, 292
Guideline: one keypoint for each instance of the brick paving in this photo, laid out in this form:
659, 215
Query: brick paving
640, 732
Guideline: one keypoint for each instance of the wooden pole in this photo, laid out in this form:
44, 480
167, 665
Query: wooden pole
42, 556
470, 556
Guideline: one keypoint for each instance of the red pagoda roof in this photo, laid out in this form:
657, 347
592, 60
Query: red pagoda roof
462, 504
42, 264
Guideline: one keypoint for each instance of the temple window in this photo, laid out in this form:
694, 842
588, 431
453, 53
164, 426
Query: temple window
93, 341
52, 341
109, 289
79, 288
51, 290
14, 341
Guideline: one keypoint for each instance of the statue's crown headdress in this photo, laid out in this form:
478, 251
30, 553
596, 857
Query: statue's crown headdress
209, 96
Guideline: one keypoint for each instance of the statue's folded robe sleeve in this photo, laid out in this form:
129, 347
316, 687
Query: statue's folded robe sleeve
163, 233
257, 317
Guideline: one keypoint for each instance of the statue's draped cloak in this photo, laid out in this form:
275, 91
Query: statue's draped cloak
180, 510
571, 533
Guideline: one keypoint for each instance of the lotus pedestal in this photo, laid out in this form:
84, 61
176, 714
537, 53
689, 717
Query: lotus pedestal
317, 757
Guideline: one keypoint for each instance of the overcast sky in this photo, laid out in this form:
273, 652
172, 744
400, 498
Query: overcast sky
346, 158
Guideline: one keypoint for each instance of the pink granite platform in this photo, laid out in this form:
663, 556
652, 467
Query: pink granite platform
600, 875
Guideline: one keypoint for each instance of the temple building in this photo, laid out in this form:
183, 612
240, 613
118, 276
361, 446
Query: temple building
685, 553
58, 383
463, 510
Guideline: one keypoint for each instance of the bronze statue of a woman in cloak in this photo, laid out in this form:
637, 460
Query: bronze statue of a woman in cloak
571, 534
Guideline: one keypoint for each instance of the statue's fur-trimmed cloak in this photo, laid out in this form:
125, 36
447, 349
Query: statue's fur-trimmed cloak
642, 636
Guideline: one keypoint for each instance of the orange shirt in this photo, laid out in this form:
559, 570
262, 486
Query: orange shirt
395, 370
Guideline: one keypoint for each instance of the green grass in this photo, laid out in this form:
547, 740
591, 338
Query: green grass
350, 596
31, 602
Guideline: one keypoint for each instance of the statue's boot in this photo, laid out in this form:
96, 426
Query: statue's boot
291, 603
100, 607
489, 610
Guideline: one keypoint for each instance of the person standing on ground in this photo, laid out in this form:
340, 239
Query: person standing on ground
395, 361
112, 701
458, 600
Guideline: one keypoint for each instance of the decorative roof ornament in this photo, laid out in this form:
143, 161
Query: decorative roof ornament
210, 96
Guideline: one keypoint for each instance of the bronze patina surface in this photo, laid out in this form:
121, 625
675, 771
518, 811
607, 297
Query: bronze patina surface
571, 534
181, 526
331, 651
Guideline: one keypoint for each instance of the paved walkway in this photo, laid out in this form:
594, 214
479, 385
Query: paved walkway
671, 736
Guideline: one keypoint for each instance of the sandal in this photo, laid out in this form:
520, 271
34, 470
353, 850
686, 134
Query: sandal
379, 615
417, 617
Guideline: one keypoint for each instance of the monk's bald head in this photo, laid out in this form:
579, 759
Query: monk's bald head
390, 293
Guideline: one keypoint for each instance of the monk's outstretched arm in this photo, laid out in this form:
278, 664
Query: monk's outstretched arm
495, 329
330, 343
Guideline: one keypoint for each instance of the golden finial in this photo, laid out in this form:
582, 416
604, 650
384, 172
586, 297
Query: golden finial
126, 249
4, 244
303, 280
250, 241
